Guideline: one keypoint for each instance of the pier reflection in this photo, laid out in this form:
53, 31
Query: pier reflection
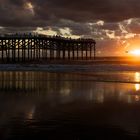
66, 87
57, 87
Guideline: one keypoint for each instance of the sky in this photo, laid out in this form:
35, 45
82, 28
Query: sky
114, 24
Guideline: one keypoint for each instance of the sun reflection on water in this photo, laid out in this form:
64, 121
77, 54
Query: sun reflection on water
137, 79
137, 98
137, 87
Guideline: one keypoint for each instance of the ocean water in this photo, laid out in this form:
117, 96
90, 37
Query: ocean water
69, 106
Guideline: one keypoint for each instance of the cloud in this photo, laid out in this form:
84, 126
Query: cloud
75, 15
107, 21
49, 11
89, 10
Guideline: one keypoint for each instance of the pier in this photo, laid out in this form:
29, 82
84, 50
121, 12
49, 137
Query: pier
24, 48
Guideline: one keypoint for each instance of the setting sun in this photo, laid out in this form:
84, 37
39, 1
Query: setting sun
135, 52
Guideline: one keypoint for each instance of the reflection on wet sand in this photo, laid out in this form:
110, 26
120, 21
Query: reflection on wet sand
137, 86
66, 86
41, 104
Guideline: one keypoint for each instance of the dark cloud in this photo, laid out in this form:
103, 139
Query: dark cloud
89, 10
50, 11
17, 30
134, 26
110, 26
100, 19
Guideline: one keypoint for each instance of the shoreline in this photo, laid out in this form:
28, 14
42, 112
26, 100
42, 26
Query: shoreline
103, 67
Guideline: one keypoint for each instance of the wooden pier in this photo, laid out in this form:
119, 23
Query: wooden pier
24, 48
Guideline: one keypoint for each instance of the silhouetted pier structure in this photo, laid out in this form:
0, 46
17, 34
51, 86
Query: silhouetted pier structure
22, 48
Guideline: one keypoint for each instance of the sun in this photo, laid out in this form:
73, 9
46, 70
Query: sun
135, 52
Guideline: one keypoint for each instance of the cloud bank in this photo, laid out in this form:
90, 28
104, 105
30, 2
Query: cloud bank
111, 22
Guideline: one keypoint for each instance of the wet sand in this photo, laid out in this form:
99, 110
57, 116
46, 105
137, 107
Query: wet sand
77, 100
66, 106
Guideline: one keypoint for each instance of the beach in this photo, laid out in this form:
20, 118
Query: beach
76, 100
